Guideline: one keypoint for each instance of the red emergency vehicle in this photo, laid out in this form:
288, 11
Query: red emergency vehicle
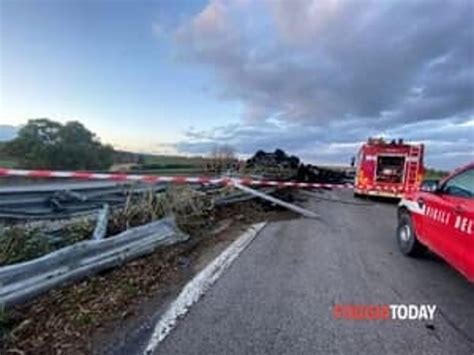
388, 169
442, 219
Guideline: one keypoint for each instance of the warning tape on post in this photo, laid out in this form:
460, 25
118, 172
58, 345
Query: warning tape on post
153, 179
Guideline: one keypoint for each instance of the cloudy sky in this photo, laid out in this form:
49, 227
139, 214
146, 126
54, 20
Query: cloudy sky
315, 78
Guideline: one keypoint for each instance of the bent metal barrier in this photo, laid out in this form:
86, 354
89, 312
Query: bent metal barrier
160, 179
23, 281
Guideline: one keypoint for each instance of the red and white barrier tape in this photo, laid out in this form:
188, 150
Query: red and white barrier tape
158, 178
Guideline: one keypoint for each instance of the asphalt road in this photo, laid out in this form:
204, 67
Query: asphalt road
277, 297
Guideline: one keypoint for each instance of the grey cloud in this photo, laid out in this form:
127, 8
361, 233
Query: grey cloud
448, 144
339, 71
329, 60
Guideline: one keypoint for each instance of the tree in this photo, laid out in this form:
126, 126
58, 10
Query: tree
294, 162
43, 143
222, 157
280, 155
141, 159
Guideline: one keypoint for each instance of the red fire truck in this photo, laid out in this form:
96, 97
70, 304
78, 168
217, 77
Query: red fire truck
388, 169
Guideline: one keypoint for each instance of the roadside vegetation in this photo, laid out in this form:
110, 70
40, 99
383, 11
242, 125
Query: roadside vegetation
190, 208
19, 243
158, 164
47, 144
6, 160
435, 174
75, 319
221, 159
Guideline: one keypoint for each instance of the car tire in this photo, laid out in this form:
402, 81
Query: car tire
406, 237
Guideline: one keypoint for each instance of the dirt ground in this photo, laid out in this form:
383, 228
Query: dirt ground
88, 317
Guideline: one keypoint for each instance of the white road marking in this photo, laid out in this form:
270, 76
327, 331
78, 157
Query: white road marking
198, 286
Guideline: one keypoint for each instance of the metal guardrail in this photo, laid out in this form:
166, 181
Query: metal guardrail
23, 281
26, 280
276, 201
46, 202
240, 197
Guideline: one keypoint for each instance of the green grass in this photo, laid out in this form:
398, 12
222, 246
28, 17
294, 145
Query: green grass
19, 244
171, 165
178, 165
4, 324
3, 316
8, 163
175, 160
435, 174
171, 172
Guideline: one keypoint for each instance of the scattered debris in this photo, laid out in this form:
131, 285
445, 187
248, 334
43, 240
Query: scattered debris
281, 166
23, 242
430, 326
198, 286
18, 243
82, 318
277, 165
101, 227
23, 281
272, 160
313, 173
221, 226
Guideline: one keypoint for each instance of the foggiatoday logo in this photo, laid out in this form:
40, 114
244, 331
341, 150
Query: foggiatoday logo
384, 311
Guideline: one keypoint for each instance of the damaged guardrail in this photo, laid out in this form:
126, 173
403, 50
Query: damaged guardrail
290, 206
68, 200
240, 197
26, 280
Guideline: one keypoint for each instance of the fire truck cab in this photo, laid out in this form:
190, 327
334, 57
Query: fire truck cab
388, 169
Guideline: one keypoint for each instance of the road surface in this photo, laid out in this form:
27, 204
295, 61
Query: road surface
277, 297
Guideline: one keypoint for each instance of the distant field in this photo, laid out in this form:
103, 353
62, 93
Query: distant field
435, 174
175, 160
7, 163
171, 172
162, 165
165, 165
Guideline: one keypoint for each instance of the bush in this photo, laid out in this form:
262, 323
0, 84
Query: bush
45, 144
20, 244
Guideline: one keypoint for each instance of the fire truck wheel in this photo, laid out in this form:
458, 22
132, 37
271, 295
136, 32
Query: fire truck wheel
406, 237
